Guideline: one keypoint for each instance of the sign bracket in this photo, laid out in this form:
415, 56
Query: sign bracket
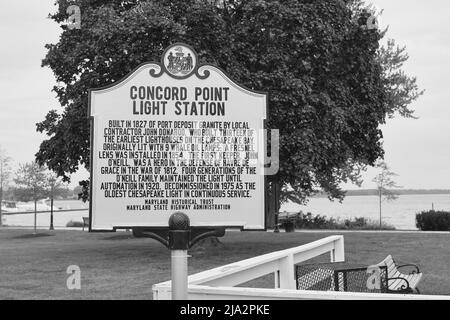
178, 238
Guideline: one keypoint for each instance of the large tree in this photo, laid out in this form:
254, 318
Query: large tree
330, 84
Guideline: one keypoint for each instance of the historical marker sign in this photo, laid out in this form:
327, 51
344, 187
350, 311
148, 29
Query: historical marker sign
177, 136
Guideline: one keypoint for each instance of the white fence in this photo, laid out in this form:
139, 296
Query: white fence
219, 283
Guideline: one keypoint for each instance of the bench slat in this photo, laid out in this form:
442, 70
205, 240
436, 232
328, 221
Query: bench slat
414, 279
389, 263
391, 268
396, 284
393, 272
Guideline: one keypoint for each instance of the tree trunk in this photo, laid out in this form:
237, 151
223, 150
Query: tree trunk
1, 199
273, 204
35, 215
51, 212
1, 191
380, 195
277, 194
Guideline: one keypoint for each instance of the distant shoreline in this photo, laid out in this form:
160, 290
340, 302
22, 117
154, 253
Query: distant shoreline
374, 192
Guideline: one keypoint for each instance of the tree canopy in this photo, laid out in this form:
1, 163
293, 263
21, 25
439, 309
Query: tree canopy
5, 175
34, 182
30, 180
330, 84
385, 183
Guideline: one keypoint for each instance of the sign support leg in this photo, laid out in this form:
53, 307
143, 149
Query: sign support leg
179, 234
179, 274
179, 237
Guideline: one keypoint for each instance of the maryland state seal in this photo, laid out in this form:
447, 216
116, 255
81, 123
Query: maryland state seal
179, 60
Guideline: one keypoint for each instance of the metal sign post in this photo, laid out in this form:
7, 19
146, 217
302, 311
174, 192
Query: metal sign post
179, 232
177, 135
179, 265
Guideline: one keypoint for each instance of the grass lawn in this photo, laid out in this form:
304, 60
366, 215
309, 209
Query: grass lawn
118, 266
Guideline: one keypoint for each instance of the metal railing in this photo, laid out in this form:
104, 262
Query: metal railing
280, 263
221, 282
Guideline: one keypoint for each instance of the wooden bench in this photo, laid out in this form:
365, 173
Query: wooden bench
85, 222
399, 282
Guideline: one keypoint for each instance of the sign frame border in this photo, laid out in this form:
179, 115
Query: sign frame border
156, 75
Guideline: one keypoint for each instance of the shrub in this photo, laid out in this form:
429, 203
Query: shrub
310, 221
433, 220
74, 224
361, 223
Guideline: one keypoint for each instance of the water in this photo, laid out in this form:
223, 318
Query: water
71, 204
400, 213
60, 219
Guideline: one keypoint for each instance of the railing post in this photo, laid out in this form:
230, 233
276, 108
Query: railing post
276, 276
287, 275
161, 293
338, 254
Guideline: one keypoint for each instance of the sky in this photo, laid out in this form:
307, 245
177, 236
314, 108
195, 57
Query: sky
417, 150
